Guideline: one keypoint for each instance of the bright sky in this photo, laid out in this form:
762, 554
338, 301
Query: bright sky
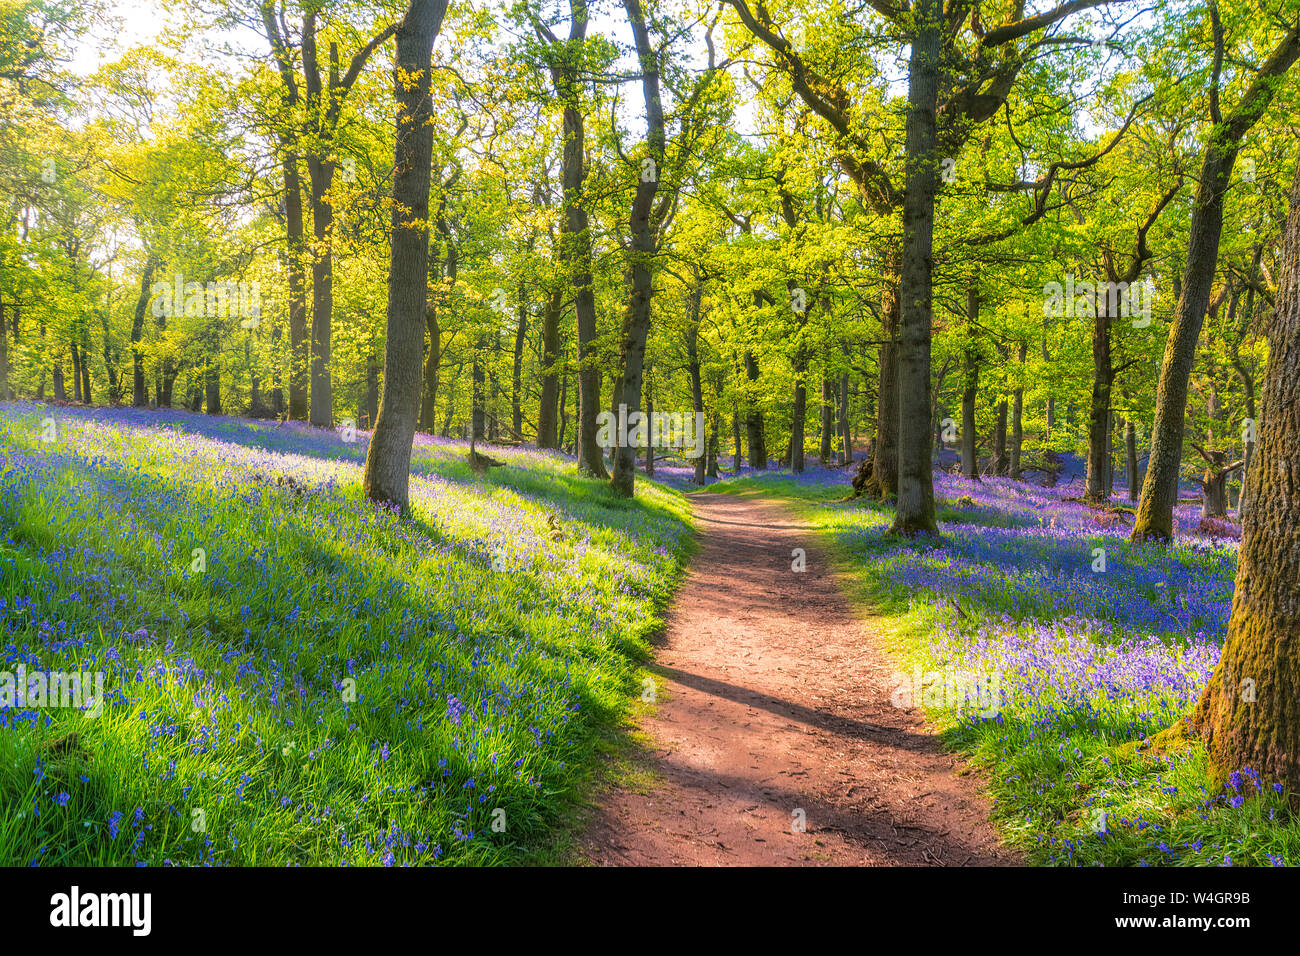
135, 22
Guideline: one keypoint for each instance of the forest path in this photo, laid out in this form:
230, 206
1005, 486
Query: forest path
772, 698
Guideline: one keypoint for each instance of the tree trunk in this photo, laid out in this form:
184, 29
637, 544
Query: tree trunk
735, 442
1050, 411
372, 390
85, 365
1249, 713
650, 445
754, 436
429, 398
516, 379
1110, 454
139, 393
846, 447
693, 367
1017, 413
299, 353
212, 386
564, 407
388, 460
321, 174
1131, 459
576, 243
799, 412
1248, 393
1155, 513
884, 452
1214, 493
644, 228
1099, 409
547, 435
4, 354
167, 383
76, 369
478, 394
970, 466
711, 467
915, 510
828, 428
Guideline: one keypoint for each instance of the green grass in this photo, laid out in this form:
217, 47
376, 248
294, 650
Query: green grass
337, 684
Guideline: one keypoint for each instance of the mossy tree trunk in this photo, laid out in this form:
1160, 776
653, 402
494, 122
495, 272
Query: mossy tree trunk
1249, 713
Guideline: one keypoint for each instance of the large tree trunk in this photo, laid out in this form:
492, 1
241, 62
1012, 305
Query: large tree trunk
1249, 713
388, 461
293, 221
1155, 513
575, 239
644, 226
578, 240
139, 393
915, 511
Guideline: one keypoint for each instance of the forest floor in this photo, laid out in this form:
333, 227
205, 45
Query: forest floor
774, 740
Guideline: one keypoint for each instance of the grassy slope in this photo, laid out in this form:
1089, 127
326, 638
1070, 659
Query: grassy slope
1067, 783
335, 685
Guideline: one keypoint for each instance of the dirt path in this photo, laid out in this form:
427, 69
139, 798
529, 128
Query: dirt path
772, 700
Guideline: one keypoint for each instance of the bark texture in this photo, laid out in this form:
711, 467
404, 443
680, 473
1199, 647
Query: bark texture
915, 510
388, 461
1249, 714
